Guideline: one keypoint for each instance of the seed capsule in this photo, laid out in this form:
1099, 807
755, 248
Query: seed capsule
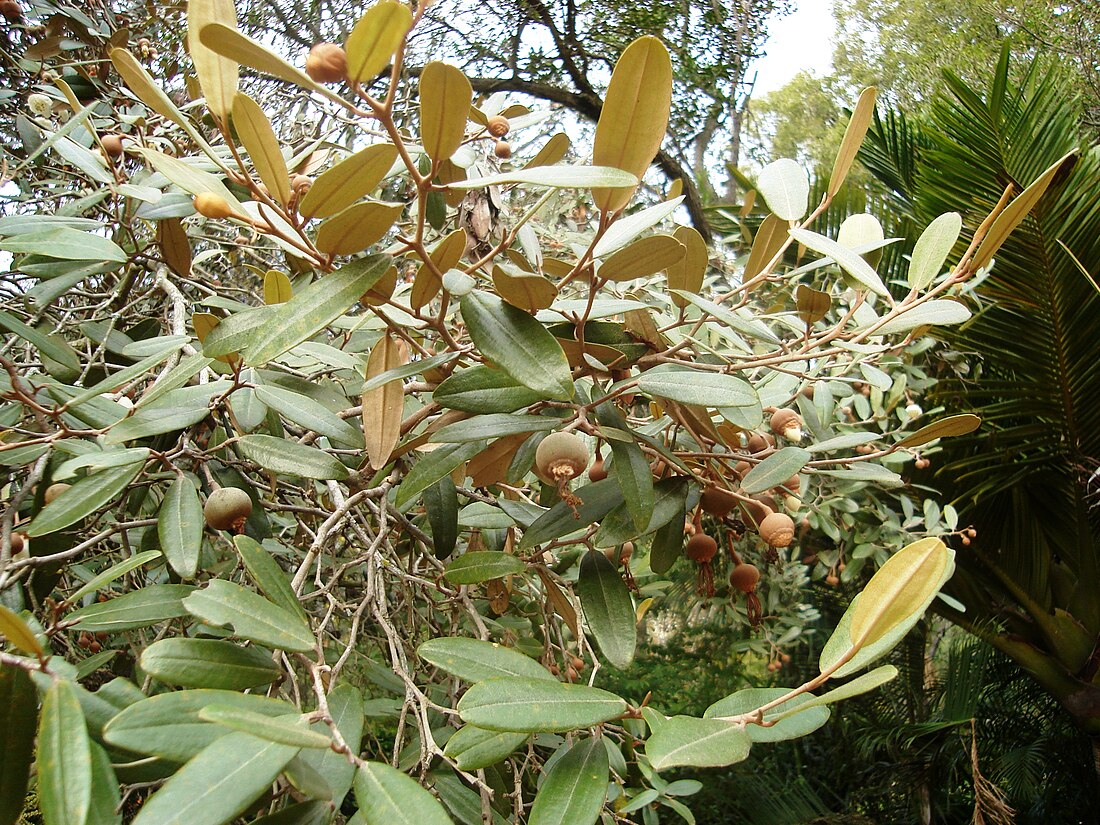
227, 508
327, 63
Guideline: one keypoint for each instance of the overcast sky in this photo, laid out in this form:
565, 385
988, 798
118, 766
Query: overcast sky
801, 40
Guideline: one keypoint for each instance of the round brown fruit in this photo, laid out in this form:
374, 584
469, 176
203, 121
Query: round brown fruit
17, 543
561, 456
787, 424
701, 548
832, 580
210, 205
11, 10
54, 490
777, 530
301, 184
745, 577
502, 149
759, 443
327, 63
597, 472
497, 126
112, 145
717, 502
227, 508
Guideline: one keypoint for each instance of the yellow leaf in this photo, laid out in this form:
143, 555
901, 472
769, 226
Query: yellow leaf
898, 589
204, 322
230, 43
687, 273
255, 132
277, 289
771, 235
142, 84
446, 255
383, 289
675, 189
526, 290
853, 138
348, 181
375, 38
644, 257
16, 631
218, 75
383, 406
445, 96
357, 227
634, 118
551, 153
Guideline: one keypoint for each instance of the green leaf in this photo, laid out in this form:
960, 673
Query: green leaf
45, 344
944, 428
644, 257
932, 249
698, 743
18, 720
804, 715
65, 243
842, 442
268, 576
481, 389
284, 730
168, 725
307, 413
473, 660
250, 616
608, 609
290, 458
556, 177
85, 497
848, 260
128, 374
345, 705
64, 757
667, 547
314, 308
177, 409
774, 470
219, 784
703, 389
150, 605
631, 469
735, 321
314, 812
575, 788
238, 330
179, 527
98, 460
209, 663
433, 466
388, 797
473, 748
597, 500
629, 227
441, 502
113, 572
931, 313
518, 344
861, 684
105, 795
495, 425
418, 367
785, 187
482, 565
537, 706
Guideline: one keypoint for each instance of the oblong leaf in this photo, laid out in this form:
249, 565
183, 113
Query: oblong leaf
805, 718
775, 469
383, 408
179, 527
64, 757
285, 731
250, 616
432, 467
82, 499
481, 566
697, 743
16, 631
472, 747
304, 411
535, 705
934, 313
357, 227
944, 428
228, 42
445, 96
607, 607
853, 138
473, 660
634, 117
575, 788
556, 177
345, 705
355, 176
218, 75
255, 132
388, 797
149, 605
481, 389
290, 458
686, 275
18, 720
848, 260
375, 38
597, 500
518, 344
786, 188
704, 389
932, 248
642, 258
494, 425
209, 663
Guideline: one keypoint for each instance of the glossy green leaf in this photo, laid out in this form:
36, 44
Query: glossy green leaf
345, 705
944, 428
98, 460
312, 309
441, 502
536, 705
608, 609
284, 730
518, 344
932, 249
667, 547
219, 784
179, 527
106, 798
128, 374
775, 469
931, 313
268, 576
481, 389
848, 260
306, 412
115, 571
149, 605
209, 663
786, 188
433, 466
472, 747
473, 660
805, 714
18, 720
703, 389
597, 500
168, 725
375, 38
575, 788
250, 616
498, 425
631, 469
314, 812
65, 243
481, 566
290, 458
82, 499
386, 796
684, 741
64, 757
45, 344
